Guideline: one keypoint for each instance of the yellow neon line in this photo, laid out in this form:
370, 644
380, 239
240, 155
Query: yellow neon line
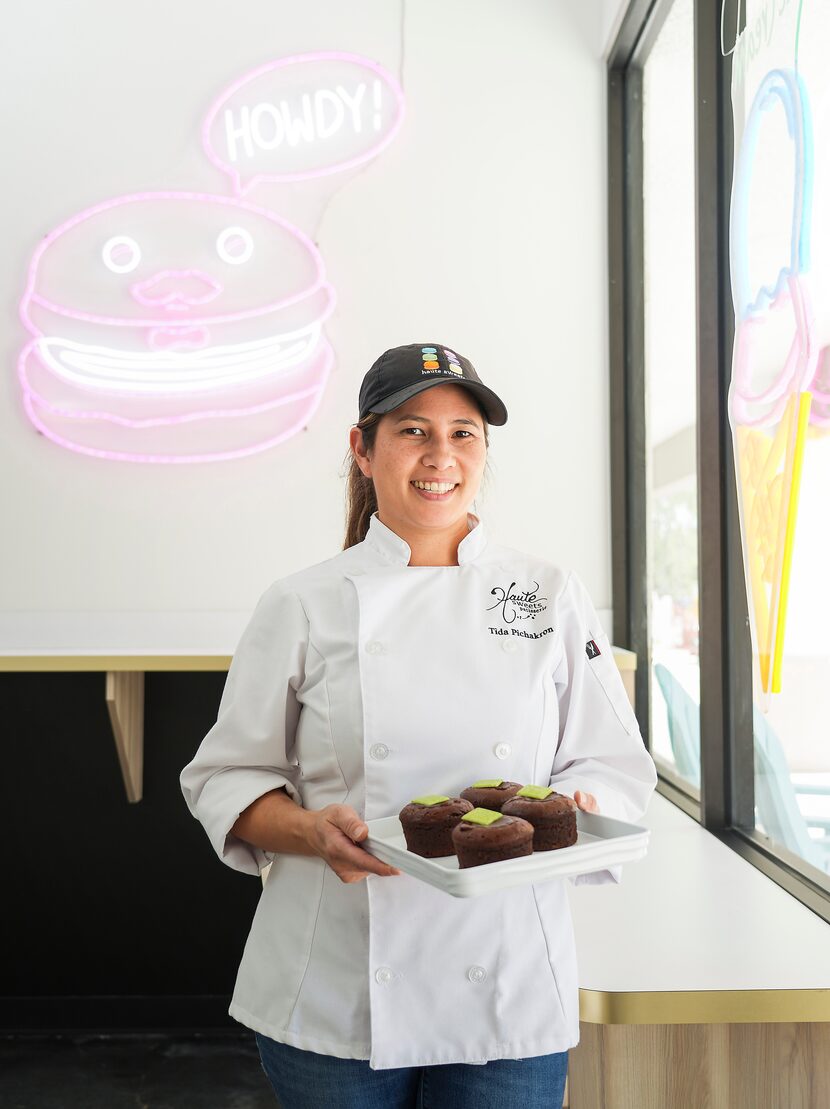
804, 402
782, 437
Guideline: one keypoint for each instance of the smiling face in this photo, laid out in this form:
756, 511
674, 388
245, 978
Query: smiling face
426, 464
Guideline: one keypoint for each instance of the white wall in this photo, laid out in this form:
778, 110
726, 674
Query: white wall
483, 226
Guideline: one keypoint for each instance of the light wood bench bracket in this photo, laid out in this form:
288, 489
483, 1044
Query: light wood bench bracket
125, 702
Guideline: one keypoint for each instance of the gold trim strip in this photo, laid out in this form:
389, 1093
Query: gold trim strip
43, 664
53, 663
705, 1007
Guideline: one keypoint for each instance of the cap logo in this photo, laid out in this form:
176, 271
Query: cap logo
453, 364
430, 357
431, 363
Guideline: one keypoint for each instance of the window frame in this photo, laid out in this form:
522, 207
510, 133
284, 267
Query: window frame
724, 804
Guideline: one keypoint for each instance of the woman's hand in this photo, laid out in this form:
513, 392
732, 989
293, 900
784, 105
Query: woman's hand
334, 833
586, 801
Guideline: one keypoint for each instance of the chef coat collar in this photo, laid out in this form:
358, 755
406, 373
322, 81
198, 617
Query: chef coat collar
396, 550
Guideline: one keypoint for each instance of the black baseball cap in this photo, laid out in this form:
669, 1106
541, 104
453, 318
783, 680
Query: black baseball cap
403, 372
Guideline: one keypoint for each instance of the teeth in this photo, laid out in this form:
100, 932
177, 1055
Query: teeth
435, 486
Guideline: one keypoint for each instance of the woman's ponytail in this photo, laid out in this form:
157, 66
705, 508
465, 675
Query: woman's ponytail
361, 501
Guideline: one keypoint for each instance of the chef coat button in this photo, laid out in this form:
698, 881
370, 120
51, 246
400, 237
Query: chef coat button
508, 645
373, 647
502, 750
476, 974
378, 750
383, 975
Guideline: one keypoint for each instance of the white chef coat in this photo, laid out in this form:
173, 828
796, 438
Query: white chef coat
366, 681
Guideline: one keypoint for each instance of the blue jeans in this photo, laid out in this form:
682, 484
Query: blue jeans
306, 1080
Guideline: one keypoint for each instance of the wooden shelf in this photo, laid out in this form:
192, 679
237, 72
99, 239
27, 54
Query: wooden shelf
123, 691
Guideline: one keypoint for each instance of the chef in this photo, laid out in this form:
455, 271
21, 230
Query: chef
423, 657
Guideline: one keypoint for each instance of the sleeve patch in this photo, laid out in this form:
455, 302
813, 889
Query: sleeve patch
591, 649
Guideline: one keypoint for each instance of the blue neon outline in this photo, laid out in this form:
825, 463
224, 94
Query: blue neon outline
789, 89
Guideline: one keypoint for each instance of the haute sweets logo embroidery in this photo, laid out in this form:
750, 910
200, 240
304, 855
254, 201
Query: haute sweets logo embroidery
517, 605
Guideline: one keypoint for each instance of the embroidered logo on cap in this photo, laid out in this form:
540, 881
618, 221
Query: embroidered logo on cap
453, 365
430, 357
591, 649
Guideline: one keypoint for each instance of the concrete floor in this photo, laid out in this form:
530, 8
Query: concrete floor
133, 1072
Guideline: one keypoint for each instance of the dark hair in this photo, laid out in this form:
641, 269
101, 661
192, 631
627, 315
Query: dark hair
361, 500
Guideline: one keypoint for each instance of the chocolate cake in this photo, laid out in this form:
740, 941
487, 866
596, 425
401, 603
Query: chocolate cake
553, 816
428, 822
483, 836
490, 793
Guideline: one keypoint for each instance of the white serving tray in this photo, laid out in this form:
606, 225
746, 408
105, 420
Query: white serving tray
601, 842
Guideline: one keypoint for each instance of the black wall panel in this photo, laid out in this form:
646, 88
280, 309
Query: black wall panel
116, 915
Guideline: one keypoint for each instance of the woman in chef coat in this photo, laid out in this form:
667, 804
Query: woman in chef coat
421, 658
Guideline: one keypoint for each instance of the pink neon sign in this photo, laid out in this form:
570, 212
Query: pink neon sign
187, 327
762, 403
301, 117
170, 344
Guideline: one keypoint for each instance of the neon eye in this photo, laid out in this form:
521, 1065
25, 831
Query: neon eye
234, 245
121, 254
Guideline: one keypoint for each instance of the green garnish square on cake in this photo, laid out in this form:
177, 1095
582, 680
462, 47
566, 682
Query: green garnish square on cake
538, 793
485, 817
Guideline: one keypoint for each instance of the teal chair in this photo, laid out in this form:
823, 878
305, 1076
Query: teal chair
775, 795
684, 725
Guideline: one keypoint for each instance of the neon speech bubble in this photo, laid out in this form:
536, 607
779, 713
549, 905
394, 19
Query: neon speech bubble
303, 117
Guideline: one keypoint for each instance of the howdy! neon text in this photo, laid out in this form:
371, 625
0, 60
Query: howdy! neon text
301, 117
318, 116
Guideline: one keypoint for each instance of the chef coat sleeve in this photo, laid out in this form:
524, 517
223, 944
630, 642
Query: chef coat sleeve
250, 749
600, 749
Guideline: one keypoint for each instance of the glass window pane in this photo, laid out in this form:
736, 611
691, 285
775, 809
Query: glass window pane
780, 415
671, 405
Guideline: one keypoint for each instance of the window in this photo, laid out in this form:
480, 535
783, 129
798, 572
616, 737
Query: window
753, 766
670, 368
780, 420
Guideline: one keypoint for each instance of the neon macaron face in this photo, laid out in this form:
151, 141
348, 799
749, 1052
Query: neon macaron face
165, 306
159, 270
